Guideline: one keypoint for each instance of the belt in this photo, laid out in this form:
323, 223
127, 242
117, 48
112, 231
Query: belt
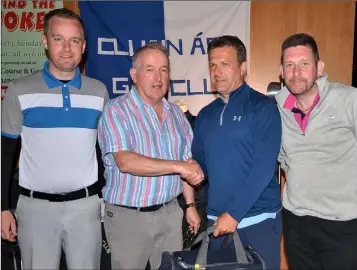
151, 208
62, 197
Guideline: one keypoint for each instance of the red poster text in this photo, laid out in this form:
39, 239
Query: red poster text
26, 21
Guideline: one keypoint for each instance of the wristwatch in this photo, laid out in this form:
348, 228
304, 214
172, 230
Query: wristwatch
190, 205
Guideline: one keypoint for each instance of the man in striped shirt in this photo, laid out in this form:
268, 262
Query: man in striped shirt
146, 142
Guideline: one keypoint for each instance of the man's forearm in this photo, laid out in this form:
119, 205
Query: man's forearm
188, 193
136, 164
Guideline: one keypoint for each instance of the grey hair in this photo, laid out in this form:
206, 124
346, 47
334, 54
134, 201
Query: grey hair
150, 46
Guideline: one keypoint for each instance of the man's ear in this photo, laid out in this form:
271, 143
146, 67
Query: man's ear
84, 46
320, 68
281, 72
44, 41
133, 75
243, 69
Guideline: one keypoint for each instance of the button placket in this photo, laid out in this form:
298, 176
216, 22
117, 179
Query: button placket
66, 97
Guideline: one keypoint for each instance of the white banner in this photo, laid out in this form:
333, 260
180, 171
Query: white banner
197, 22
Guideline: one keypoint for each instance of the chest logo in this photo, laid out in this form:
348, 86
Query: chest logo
237, 118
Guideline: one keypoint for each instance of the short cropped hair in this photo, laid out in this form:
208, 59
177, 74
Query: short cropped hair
300, 39
230, 41
150, 46
64, 13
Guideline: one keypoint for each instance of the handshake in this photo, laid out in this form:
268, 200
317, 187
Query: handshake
191, 171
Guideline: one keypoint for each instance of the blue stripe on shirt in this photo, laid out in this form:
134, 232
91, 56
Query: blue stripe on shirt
246, 222
59, 117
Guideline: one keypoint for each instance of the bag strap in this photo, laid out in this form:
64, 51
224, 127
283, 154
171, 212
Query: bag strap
201, 259
198, 239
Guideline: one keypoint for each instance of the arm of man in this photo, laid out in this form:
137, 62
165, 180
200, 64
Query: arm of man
192, 216
136, 164
101, 168
352, 111
197, 147
8, 150
267, 146
11, 119
281, 158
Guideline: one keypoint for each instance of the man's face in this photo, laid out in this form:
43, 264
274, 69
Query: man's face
225, 71
151, 75
65, 44
300, 70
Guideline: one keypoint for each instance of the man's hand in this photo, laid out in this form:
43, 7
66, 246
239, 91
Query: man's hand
191, 172
224, 224
193, 219
8, 226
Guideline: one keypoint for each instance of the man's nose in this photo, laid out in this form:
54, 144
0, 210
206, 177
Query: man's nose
297, 71
67, 46
158, 75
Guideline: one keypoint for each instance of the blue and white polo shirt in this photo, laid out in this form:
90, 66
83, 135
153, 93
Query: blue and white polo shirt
57, 123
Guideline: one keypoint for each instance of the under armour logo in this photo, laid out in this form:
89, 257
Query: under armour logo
237, 118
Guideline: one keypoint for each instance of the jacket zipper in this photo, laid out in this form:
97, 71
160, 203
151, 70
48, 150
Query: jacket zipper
221, 118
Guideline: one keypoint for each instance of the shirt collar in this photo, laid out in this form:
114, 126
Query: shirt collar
52, 82
234, 93
322, 84
290, 102
139, 102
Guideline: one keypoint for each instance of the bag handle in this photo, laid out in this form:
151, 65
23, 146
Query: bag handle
198, 239
201, 259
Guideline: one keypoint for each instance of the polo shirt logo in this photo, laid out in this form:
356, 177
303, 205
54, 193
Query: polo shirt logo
237, 118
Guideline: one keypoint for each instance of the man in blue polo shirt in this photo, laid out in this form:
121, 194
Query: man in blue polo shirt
236, 141
55, 111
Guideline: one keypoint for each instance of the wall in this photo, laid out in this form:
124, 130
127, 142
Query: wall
330, 22
71, 4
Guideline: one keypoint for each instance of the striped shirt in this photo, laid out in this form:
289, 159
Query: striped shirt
128, 124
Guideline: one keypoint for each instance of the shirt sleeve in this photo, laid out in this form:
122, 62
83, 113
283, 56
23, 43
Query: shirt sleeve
11, 114
352, 111
281, 158
11, 127
106, 97
113, 133
8, 151
188, 138
197, 148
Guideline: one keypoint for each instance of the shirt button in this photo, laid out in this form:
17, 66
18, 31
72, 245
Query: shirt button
65, 97
65, 85
66, 109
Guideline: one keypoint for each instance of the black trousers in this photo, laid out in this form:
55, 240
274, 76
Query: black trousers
315, 243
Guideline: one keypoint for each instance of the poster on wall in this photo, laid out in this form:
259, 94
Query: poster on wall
115, 29
21, 28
